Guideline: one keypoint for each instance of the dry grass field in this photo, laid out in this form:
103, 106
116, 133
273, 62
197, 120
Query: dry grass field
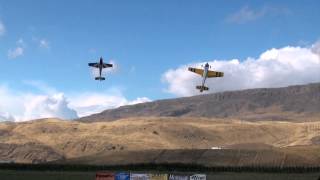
53, 139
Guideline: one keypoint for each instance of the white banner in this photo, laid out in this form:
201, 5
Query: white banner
178, 177
134, 176
198, 177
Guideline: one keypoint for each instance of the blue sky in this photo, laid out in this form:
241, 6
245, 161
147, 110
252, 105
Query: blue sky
144, 38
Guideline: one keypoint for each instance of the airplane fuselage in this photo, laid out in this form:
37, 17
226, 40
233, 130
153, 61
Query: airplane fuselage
100, 67
204, 75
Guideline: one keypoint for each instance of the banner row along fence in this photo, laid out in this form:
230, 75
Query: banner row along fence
144, 176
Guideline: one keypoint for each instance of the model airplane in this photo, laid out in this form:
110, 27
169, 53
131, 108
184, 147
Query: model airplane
100, 65
205, 73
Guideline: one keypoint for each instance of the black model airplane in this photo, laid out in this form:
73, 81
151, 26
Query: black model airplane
100, 65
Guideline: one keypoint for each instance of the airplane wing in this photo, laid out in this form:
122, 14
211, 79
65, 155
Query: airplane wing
96, 65
195, 70
106, 65
215, 74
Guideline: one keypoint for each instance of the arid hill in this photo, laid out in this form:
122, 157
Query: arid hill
292, 103
174, 138
278, 126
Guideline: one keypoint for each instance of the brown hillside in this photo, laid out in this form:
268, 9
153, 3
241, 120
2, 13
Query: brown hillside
56, 139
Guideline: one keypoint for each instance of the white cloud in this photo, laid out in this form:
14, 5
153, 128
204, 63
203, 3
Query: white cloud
44, 106
2, 28
6, 117
10, 101
246, 14
316, 48
43, 43
139, 100
23, 106
14, 53
93, 102
18, 51
274, 68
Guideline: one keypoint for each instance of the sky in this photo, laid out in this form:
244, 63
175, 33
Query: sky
45, 47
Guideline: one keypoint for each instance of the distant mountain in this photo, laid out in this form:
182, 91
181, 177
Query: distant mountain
300, 102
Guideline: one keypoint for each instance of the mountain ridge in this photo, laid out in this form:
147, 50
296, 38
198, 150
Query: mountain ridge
284, 103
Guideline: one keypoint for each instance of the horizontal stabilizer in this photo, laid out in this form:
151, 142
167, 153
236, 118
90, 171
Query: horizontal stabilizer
100, 78
202, 88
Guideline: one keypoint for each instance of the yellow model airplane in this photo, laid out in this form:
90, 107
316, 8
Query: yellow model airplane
205, 73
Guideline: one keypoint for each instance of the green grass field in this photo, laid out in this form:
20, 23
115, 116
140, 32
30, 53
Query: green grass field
67, 175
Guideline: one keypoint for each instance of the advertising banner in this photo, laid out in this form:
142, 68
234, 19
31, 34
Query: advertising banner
104, 176
178, 177
122, 176
198, 177
158, 176
135, 176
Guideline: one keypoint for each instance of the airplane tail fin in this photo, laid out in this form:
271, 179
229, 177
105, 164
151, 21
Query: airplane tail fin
100, 78
202, 88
